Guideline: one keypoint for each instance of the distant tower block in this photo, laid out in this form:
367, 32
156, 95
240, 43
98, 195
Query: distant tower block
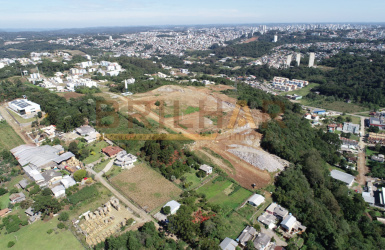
125, 85
288, 60
311, 60
275, 38
298, 59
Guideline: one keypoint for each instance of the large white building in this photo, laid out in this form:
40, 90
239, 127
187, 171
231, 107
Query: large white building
311, 60
24, 107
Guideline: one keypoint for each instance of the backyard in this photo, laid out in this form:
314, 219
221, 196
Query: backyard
35, 236
225, 193
95, 149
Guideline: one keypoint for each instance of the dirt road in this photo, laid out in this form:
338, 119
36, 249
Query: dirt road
143, 216
361, 164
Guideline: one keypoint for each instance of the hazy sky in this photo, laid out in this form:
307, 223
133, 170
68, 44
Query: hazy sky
90, 13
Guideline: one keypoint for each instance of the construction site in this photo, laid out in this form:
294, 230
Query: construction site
103, 222
224, 132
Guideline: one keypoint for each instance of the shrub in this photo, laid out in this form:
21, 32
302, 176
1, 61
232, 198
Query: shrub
11, 244
50, 231
61, 225
63, 216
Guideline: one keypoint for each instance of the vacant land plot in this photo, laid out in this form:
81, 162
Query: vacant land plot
146, 187
35, 236
335, 106
224, 193
8, 137
69, 95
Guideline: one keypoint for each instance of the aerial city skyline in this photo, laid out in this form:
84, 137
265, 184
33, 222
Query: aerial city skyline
74, 14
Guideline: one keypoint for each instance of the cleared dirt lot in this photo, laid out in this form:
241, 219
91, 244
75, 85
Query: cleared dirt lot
146, 187
238, 126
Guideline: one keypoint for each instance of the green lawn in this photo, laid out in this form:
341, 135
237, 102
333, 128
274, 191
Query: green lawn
21, 119
95, 147
221, 193
336, 105
4, 201
35, 236
8, 137
355, 119
235, 223
192, 177
101, 166
14, 181
370, 152
302, 92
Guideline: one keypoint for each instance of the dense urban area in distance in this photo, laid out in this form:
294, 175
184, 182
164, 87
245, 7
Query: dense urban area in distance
258, 136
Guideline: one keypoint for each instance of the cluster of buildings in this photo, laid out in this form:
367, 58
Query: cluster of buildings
285, 84
42, 165
274, 215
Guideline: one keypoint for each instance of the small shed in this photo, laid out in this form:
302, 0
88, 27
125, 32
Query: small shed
174, 206
256, 200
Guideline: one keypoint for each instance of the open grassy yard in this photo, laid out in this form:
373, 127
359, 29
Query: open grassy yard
8, 137
235, 223
335, 106
194, 179
21, 119
99, 167
146, 187
4, 201
95, 149
224, 193
35, 236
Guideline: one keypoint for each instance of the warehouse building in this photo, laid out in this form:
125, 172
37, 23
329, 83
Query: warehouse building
24, 107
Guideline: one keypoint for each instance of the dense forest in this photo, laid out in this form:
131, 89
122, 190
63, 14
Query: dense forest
335, 216
360, 78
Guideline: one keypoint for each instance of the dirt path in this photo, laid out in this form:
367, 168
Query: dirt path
143, 216
14, 125
361, 164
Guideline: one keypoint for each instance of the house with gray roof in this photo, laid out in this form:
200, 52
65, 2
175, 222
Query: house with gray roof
23, 183
247, 234
256, 200
344, 177
261, 241
277, 211
16, 198
288, 223
52, 177
85, 130
34, 174
228, 244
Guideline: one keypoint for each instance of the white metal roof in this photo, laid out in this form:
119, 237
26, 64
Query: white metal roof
341, 176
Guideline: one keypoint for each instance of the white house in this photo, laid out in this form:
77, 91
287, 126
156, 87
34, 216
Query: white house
59, 191
256, 200
206, 168
125, 160
67, 181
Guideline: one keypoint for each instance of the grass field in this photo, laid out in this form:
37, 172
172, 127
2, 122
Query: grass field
192, 177
8, 137
4, 201
21, 119
223, 193
302, 92
95, 147
235, 223
146, 187
99, 167
335, 106
35, 236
